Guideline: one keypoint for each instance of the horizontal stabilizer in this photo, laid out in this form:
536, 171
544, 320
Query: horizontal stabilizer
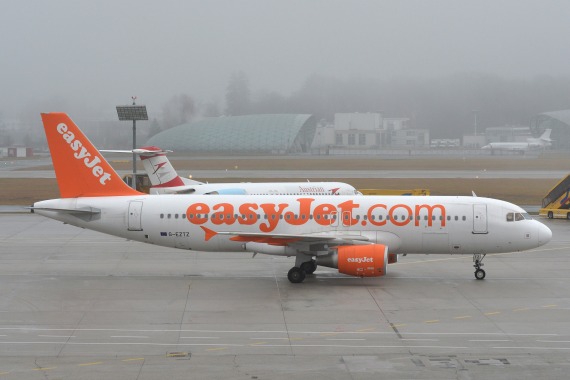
83, 210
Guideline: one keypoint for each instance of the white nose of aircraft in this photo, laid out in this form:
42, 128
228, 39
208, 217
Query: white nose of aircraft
544, 234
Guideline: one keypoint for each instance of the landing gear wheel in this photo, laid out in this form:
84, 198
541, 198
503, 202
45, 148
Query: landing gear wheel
480, 274
478, 263
296, 275
309, 267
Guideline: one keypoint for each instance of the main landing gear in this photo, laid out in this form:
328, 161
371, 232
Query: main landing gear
478, 263
297, 274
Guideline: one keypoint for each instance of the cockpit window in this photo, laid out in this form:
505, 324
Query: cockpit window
516, 216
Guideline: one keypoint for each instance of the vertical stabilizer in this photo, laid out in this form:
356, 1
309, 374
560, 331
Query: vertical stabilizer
159, 169
80, 169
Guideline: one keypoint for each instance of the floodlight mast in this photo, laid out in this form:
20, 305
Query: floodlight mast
134, 113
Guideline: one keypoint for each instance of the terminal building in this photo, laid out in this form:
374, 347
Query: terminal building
369, 131
272, 133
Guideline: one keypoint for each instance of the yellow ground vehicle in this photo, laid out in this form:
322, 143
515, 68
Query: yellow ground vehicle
556, 204
394, 192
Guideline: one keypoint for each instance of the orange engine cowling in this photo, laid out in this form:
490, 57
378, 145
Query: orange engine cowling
363, 260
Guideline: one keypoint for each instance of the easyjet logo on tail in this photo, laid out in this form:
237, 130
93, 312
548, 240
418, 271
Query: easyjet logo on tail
81, 153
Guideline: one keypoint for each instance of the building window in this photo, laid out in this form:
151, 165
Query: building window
338, 139
351, 139
361, 139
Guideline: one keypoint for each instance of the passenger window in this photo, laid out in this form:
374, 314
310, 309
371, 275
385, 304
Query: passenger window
175, 216
456, 217
169, 216
464, 218
183, 216
161, 216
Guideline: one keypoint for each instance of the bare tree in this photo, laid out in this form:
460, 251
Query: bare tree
237, 95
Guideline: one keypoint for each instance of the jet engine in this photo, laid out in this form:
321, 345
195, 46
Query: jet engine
358, 260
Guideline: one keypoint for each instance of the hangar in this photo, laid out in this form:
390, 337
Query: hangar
559, 122
271, 133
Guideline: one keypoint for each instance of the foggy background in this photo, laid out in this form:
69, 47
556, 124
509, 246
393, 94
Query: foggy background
433, 61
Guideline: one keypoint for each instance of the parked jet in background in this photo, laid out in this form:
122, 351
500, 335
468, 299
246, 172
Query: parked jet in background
165, 180
359, 235
532, 143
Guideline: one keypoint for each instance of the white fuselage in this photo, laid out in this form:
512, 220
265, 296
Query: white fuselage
261, 188
462, 225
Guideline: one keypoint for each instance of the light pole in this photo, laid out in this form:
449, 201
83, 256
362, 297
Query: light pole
134, 113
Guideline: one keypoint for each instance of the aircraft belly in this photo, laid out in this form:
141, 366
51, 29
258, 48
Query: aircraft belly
435, 242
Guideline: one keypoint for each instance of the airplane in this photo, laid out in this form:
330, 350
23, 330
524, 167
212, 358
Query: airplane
532, 143
165, 180
358, 235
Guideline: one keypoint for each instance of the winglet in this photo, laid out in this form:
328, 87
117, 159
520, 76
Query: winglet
209, 233
80, 169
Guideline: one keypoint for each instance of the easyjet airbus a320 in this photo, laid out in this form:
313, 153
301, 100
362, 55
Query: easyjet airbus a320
359, 235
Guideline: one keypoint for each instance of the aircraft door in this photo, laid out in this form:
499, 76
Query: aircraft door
480, 219
333, 219
346, 218
134, 216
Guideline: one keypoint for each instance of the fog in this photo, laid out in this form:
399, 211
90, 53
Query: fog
86, 57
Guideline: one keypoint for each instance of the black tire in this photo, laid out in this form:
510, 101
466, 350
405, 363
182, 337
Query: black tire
480, 274
296, 275
550, 215
309, 267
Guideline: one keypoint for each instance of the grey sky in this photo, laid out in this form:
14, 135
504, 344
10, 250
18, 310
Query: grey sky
102, 52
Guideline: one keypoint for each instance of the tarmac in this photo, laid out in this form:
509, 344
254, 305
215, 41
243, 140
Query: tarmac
78, 304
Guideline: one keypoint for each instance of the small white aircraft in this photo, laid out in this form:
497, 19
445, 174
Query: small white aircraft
532, 143
359, 235
165, 180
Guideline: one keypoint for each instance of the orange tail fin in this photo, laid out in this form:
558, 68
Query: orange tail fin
80, 169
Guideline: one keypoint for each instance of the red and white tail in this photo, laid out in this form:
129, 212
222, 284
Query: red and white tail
158, 167
80, 169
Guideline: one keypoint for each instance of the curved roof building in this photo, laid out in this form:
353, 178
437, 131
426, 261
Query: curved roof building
277, 133
559, 122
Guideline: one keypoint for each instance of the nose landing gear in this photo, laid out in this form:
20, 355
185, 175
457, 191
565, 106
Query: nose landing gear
478, 263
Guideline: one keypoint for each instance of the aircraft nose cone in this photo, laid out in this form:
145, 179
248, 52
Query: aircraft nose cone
544, 234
